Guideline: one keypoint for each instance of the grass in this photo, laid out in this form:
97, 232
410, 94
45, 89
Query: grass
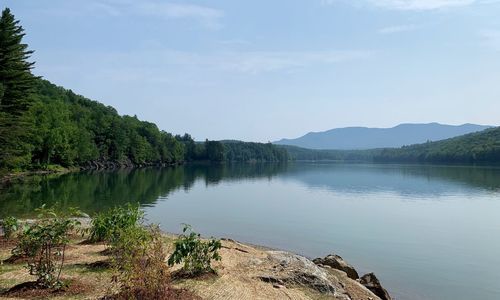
86, 267
92, 282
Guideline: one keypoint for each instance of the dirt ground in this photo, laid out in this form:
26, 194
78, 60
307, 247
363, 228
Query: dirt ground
245, 272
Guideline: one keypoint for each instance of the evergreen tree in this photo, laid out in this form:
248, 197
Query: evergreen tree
16, 86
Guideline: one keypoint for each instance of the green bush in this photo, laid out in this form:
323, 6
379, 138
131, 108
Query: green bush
139, 263
44, 244
106, 226
10, 225
194, 252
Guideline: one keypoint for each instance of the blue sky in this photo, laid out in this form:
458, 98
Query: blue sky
262, 70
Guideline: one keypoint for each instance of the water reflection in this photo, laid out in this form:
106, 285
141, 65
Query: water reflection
94, 191
405, 180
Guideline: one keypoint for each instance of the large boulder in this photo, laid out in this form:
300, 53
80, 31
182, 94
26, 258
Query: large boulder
371, 282
338, 263
292, 269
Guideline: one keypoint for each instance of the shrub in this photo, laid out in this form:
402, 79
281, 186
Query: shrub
10, 225
44, 244
106, 226
194, 252
139, 263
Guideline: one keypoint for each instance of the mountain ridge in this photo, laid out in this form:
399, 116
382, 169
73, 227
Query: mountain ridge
360, 138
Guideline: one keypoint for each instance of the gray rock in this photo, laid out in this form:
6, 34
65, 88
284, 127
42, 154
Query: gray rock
371, 282
338, 263
289, 268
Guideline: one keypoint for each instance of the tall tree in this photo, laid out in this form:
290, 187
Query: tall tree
16, 86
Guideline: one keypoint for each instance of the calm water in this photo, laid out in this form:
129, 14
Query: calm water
429, 232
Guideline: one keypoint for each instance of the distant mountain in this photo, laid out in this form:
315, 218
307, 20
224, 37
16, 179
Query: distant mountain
478, 147
354, 138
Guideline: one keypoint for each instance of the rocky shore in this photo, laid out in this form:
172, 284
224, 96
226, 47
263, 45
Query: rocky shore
245, 272
252, 272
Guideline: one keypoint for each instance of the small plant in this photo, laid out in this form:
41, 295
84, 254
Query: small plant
196, 254
139, 262
10, 225
107, 225
44, 244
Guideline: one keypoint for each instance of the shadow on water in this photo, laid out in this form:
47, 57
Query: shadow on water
97, 190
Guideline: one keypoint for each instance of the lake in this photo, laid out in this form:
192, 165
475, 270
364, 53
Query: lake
428, 232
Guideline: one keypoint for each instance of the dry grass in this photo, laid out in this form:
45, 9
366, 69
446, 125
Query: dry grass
88, 281
237, 277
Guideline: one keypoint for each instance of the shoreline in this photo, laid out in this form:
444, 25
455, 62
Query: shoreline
246, 271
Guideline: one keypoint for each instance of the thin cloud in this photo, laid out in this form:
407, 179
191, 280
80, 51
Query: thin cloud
167, 63
259, 62
491, 39
396, 29
206, 16
421, 4
412, 5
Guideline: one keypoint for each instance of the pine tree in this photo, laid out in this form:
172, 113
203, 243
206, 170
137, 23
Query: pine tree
16, 86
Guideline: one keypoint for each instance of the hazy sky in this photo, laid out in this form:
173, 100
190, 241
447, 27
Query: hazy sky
266, 69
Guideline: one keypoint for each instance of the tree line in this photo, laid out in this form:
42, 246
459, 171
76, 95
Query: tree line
480, 147
474, 148
298, 153
42, 124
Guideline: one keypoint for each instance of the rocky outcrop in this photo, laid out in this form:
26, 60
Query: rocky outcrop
289, 268
371, 282
337, 262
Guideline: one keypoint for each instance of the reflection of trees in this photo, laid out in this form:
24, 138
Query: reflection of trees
94, 191
340, 176
478, 177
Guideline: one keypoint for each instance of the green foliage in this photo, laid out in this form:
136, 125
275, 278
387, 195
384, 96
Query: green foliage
10, 225
74, 131
107, 226
42, 124
138, 253
44, 244
139, 263
215, 150
479, 147
16, 85
254, 152
298, 153
194, 252
232, 151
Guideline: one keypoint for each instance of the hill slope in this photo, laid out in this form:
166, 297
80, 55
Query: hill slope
351, 138
479, 147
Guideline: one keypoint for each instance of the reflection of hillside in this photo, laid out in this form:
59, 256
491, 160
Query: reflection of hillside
93, 191
403, 179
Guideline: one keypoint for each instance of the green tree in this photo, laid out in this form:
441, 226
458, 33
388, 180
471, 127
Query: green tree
16, 86
215, 150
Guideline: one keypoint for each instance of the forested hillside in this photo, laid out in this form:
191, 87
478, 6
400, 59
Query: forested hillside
42, 124
480, 147
298, 153
69, 129
244, 151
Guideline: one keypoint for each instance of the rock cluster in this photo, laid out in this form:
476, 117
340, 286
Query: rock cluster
337, 262
370, 281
